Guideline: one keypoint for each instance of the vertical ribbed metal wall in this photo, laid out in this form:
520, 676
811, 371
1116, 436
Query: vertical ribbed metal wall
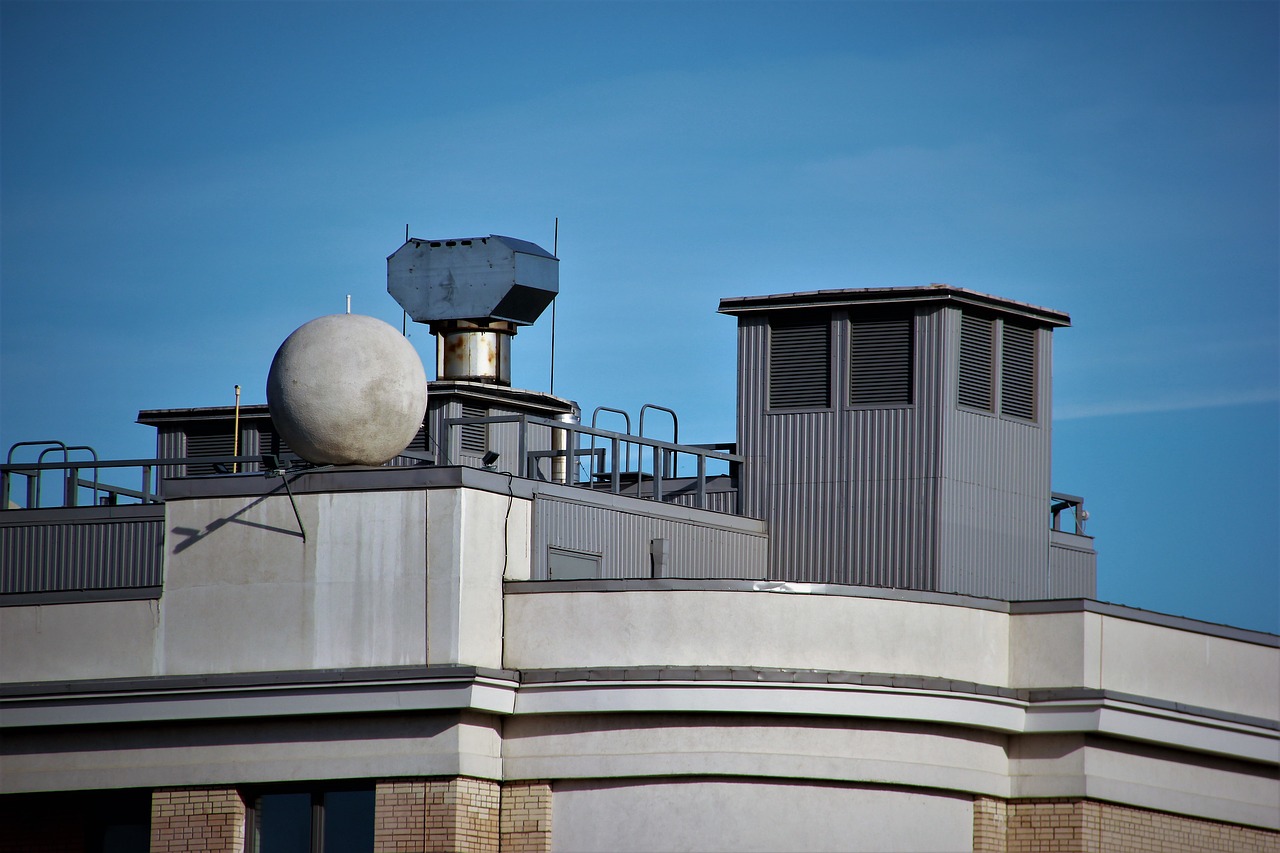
1073, 566
925, 496
621, 537
849, 491
87, 552
993, 531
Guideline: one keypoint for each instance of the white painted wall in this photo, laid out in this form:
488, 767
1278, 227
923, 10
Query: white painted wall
376, 583
243, 592
63, 642
747, 628
1128, 656
666, 816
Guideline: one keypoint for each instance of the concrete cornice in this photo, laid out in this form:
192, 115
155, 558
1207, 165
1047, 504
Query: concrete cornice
648, 689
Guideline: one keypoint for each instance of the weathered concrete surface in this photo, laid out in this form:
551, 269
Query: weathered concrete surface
347, 390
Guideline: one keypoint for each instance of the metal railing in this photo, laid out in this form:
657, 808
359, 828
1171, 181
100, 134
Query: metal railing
608, 466
1060, 503
75, 487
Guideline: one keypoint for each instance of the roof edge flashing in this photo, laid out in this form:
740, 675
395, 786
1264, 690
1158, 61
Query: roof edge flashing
934, 293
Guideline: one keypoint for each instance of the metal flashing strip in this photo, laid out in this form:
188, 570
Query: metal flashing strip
776, 587
80, 596
238, 695
887, 295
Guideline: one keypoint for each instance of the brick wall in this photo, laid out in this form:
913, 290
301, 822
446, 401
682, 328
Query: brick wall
989, 825
525, 821
209, 820
430, 815
1086, 826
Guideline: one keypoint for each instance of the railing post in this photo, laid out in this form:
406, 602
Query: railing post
701, 493
71, 492
522, 446
659, 460
615, 476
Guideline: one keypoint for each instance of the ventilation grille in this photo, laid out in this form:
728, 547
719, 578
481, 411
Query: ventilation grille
475, 437
800, 365
975, 362
1018, 372
880, 362
269, 441
221, 443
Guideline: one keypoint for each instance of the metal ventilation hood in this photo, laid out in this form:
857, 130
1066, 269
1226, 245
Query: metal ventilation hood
473, 278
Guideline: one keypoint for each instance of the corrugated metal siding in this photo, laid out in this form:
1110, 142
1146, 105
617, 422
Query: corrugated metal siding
993, 534
849, 491
718, 501
80, 555
623, 539
928, 496
1073, 566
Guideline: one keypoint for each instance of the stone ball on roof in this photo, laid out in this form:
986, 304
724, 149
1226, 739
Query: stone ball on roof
346, 389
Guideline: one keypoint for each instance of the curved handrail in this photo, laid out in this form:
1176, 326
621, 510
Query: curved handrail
668, 461
626, 445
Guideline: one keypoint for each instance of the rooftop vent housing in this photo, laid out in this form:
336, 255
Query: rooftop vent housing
473, 292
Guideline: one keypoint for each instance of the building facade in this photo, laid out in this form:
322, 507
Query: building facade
868, 625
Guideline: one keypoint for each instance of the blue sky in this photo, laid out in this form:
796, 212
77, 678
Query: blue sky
183, 184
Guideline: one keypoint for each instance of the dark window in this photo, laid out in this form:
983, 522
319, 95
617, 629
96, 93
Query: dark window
1018, 372
880, 362
800, 363
475, 437
313, 822
977, 350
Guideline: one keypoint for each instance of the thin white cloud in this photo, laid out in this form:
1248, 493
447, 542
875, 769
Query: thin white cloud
1185, 402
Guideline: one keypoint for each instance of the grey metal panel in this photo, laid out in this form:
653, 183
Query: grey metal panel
473, 278
926, 496
80, 554
1073, 566
849, 491
993, 531
623, 539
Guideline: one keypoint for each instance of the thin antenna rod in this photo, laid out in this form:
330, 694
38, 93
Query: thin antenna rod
406, 232
555, 250
348, 303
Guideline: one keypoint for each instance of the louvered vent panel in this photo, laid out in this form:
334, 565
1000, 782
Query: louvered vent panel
475, 437
269, 441
221, 443
1018, 373
975, 362
800, 365
880, 362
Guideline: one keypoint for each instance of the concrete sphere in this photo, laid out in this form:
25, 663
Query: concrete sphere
347, 390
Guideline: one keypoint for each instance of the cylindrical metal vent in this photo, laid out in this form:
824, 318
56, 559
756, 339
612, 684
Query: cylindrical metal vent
562, 462
474, 352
